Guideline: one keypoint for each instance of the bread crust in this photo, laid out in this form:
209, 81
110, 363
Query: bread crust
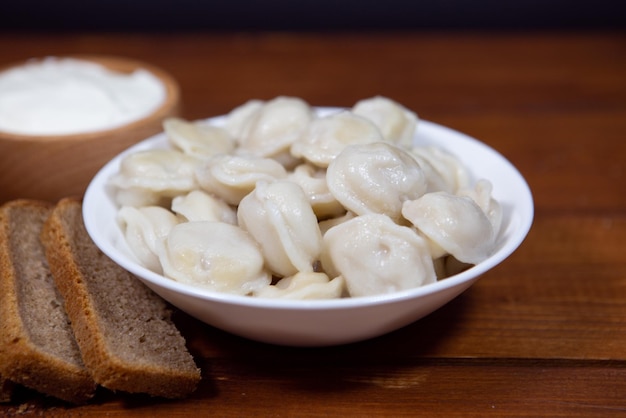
61, 235
22, 360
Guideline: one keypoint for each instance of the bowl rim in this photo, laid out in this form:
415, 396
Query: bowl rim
98, 185
115, 63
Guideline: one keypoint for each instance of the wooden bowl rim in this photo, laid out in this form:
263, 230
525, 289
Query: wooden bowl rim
116, 63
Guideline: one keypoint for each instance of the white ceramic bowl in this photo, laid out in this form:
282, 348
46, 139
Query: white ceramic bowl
323, 322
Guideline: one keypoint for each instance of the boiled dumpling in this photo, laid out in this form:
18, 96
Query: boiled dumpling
396, 122
435, 181
158, 171
276, 198
313, 182
145, 230
375, 178
455, 223
448, 173
481, 194
436, 251
237, 118
200, 206
198, 139
232, 177
304, 286
214, 255
376, 256
271, 129
326, 137
279, 216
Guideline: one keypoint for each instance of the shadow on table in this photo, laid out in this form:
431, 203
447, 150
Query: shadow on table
310, 368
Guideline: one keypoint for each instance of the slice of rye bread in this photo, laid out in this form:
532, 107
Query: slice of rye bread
37, 345
124, 330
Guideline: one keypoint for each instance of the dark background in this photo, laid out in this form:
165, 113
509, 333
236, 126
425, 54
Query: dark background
224, 15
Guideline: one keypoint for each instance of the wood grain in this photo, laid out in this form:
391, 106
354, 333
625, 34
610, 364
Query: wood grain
543, 334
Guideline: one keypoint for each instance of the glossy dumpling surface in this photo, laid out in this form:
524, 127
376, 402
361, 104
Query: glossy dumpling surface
312, 180
236, 118
200, 206
279, 216
198, 139
214, 255
375, 178
231, 177
167, 172
145, 229
376, 256
326, 137
481, 194
304, 286
446, 172
270, 129
455, 223
396, 123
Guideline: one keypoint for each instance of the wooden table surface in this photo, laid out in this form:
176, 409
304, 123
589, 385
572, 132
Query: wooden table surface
543, 334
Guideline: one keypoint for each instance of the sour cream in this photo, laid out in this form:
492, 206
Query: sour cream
57, 96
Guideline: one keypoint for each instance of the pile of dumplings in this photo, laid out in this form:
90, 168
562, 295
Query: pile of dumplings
281, 200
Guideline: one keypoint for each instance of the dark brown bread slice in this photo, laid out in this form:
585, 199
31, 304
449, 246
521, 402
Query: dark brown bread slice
37, 346
124, 330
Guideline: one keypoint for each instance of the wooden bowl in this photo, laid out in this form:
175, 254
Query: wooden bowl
56, 166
